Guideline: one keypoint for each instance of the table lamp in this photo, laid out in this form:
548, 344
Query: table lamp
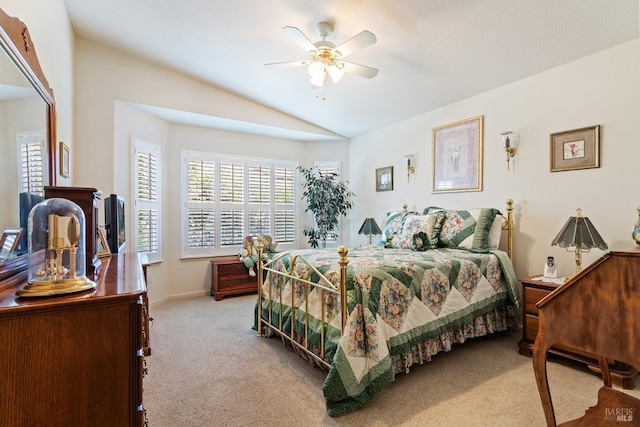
579, 232
370, 227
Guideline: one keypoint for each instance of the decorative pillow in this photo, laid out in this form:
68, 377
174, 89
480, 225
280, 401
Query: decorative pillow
419, 232
477, 230
393, 226
495, 232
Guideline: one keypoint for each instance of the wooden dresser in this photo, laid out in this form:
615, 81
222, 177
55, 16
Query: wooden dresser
533, 291
75, 360
229, 276
596, 312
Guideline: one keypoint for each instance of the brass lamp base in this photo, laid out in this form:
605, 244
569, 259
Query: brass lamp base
47, 288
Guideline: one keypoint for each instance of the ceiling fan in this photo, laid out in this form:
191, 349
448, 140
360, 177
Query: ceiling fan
326, 57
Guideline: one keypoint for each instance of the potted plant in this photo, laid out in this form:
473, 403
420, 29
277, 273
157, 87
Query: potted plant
328, 198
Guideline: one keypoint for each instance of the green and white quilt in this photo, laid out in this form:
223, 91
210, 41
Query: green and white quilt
404, 306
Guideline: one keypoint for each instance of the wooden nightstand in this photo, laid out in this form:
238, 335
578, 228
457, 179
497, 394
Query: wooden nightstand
533, 291
229, 276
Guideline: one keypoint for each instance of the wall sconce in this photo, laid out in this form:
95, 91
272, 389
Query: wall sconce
509, 140
410, 167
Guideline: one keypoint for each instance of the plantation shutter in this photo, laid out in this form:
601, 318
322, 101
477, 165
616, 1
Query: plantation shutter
31, 160
147, 196
201, 204
232, 230
259, 199
284, 207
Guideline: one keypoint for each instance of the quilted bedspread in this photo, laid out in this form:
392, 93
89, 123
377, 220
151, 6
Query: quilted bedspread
404, 306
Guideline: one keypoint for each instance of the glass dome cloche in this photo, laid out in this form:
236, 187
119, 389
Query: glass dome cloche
56, 241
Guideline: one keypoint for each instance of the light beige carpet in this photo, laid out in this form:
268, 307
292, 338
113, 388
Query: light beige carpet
208, 368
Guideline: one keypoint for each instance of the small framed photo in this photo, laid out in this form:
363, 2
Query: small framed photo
64, 160
384, 179
575, 149
103, 246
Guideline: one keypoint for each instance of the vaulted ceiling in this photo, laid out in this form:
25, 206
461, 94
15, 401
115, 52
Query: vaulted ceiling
429, 53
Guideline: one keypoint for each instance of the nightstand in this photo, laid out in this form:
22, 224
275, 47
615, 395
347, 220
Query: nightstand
533, 291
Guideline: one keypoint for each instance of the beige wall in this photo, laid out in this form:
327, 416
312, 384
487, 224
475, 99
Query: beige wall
602, 89
105, 122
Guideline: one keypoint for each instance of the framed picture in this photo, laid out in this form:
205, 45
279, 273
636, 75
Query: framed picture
457, 156
575, 149
9, 242
64, 160
384, 179
103, 247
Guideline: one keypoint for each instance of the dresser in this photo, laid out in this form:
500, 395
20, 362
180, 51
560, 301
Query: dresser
229, 276
596, 312
75, 359
533, 291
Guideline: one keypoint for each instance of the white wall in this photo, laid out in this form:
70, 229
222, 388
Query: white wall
600, 89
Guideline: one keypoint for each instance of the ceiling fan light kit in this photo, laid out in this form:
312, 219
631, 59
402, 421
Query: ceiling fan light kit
326, 57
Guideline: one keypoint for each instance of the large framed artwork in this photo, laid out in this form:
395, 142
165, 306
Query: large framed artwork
575, 149
384, 179
457, 156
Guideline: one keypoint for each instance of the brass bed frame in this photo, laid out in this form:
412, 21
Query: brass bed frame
326, 286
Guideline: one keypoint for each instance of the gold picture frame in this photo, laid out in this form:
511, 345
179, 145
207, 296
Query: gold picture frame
575, 149
457, 156
103, 246
65, 160
9, 241
384, 178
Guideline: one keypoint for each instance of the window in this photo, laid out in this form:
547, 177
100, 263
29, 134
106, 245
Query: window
227, 198
147, 199
31, 175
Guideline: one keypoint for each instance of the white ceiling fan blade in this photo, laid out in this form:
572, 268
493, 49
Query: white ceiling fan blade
357, 69
287, 64
300, 38
357, 42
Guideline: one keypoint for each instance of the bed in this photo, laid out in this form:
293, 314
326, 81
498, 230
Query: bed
368, 314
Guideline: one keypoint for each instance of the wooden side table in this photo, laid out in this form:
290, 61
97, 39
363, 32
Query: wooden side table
229, 276
533, 291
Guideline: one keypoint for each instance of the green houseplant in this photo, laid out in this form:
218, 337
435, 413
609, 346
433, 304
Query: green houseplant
328, 198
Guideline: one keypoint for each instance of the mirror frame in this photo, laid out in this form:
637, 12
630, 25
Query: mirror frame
16, 41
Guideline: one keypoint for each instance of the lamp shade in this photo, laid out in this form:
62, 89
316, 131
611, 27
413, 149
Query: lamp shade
579, 232
370, 227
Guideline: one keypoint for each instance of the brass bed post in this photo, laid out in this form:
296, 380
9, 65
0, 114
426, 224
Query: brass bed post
508, 225
343, 251
259, 247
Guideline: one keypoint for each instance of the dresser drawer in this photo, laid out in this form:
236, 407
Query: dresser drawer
233, 270
228, 283
532, 296
531, 329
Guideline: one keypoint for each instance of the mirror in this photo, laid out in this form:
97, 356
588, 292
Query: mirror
27, 113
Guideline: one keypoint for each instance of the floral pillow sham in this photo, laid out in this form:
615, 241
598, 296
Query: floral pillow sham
419, 232
477, 230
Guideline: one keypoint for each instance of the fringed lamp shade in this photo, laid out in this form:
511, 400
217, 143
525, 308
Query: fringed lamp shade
579, 232
370, 227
